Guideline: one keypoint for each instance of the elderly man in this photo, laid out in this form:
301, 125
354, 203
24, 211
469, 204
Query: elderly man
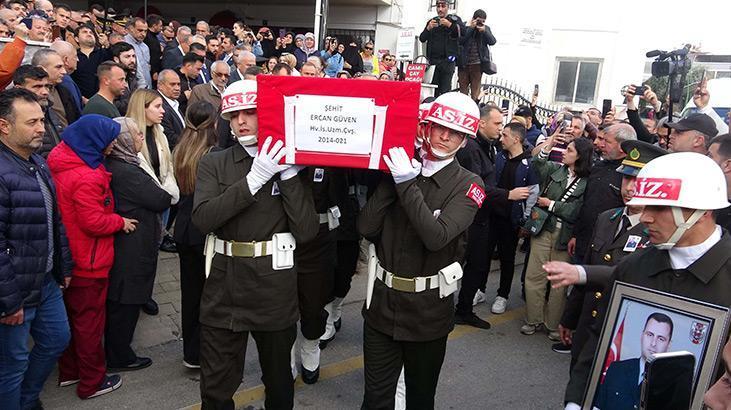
39, 27
46, 7
63, 104
244, 60
136, 33
70, 59
172, 57
173, 121
202, 29
211, 92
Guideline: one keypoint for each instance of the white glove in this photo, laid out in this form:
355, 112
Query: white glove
266, 165
290, 171
402, 167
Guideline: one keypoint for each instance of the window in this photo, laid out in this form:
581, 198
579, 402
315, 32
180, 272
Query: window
577, 80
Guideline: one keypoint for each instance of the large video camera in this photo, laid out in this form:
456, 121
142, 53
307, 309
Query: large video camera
670, 63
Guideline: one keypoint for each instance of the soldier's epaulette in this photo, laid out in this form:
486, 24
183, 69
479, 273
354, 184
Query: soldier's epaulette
617, 213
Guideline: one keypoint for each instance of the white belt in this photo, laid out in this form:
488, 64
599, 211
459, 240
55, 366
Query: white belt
323, 218
411, 285
243, 249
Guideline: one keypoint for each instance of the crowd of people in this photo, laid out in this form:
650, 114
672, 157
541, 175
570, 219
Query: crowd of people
118, 144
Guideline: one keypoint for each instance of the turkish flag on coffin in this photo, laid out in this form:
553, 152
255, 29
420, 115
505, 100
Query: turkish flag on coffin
337, 122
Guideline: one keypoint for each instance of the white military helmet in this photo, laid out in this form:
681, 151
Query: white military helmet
681, 180
238, 96
455, 111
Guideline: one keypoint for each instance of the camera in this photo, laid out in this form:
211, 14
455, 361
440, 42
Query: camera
436, 20
480, 22
670, 63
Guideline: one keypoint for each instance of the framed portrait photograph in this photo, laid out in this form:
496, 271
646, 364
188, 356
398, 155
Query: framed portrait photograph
642, 323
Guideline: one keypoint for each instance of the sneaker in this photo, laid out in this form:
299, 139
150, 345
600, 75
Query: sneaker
471, 320
561, 348
528, 329
191, 364
66, 383
499, 305
554, 336
479, 298
111, 383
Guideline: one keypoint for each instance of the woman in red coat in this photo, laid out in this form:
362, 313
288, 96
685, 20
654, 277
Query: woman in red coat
87, 209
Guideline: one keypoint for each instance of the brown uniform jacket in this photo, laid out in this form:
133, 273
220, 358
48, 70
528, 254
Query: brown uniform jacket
246, 293
411, 241
708, 279
605, 251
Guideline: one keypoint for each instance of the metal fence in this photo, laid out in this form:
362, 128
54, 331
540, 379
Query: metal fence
497, 90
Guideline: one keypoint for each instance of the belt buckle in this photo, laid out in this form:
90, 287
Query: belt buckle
403, 284
242, 249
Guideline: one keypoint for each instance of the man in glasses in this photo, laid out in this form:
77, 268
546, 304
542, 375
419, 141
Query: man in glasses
211, 92
441, 36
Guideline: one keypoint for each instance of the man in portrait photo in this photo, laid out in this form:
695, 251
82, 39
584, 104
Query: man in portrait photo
621, 386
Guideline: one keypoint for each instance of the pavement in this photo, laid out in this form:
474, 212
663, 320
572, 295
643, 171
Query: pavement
483, 369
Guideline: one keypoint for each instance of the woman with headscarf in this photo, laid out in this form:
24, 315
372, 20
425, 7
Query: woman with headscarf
353, 61
197, 140
309, 48
137, 195
333, 58
87, 209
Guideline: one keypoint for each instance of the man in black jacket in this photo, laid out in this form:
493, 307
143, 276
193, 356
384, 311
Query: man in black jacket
442, 37
475, 52
154, 27
36, 258
173, 121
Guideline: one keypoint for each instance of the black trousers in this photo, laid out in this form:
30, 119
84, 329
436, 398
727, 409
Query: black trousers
348, 252
192, 279
384, 357
119, 330
503, 235
477, 265
443, 74
222, 364
315, 275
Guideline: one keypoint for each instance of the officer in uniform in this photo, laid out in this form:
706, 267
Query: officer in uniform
617, 233
417, 222
316, 266
690, 256
255, 211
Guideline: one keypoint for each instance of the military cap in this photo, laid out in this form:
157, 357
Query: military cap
639, 153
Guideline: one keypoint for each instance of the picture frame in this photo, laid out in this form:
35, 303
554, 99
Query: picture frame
640, 321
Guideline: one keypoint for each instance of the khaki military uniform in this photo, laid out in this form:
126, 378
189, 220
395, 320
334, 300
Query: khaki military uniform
708, 279
244, 294
607, 248
418, 227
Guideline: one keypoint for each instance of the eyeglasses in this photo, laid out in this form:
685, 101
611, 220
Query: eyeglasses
369, 48
222, 75
388, 59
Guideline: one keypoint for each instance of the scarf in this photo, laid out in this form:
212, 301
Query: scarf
124, 148
309, 51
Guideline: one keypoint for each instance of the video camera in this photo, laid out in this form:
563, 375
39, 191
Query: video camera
670, 63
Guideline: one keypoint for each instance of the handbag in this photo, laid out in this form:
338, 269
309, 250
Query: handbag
539, 216
488, 67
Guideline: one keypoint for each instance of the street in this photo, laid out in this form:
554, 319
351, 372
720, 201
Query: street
483, 369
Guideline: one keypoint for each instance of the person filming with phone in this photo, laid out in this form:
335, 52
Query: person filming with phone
441, 36
474, 53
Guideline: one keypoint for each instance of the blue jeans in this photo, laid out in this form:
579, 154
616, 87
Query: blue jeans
23, 372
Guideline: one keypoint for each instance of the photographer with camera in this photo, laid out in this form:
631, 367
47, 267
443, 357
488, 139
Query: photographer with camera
474, 54
441, 36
